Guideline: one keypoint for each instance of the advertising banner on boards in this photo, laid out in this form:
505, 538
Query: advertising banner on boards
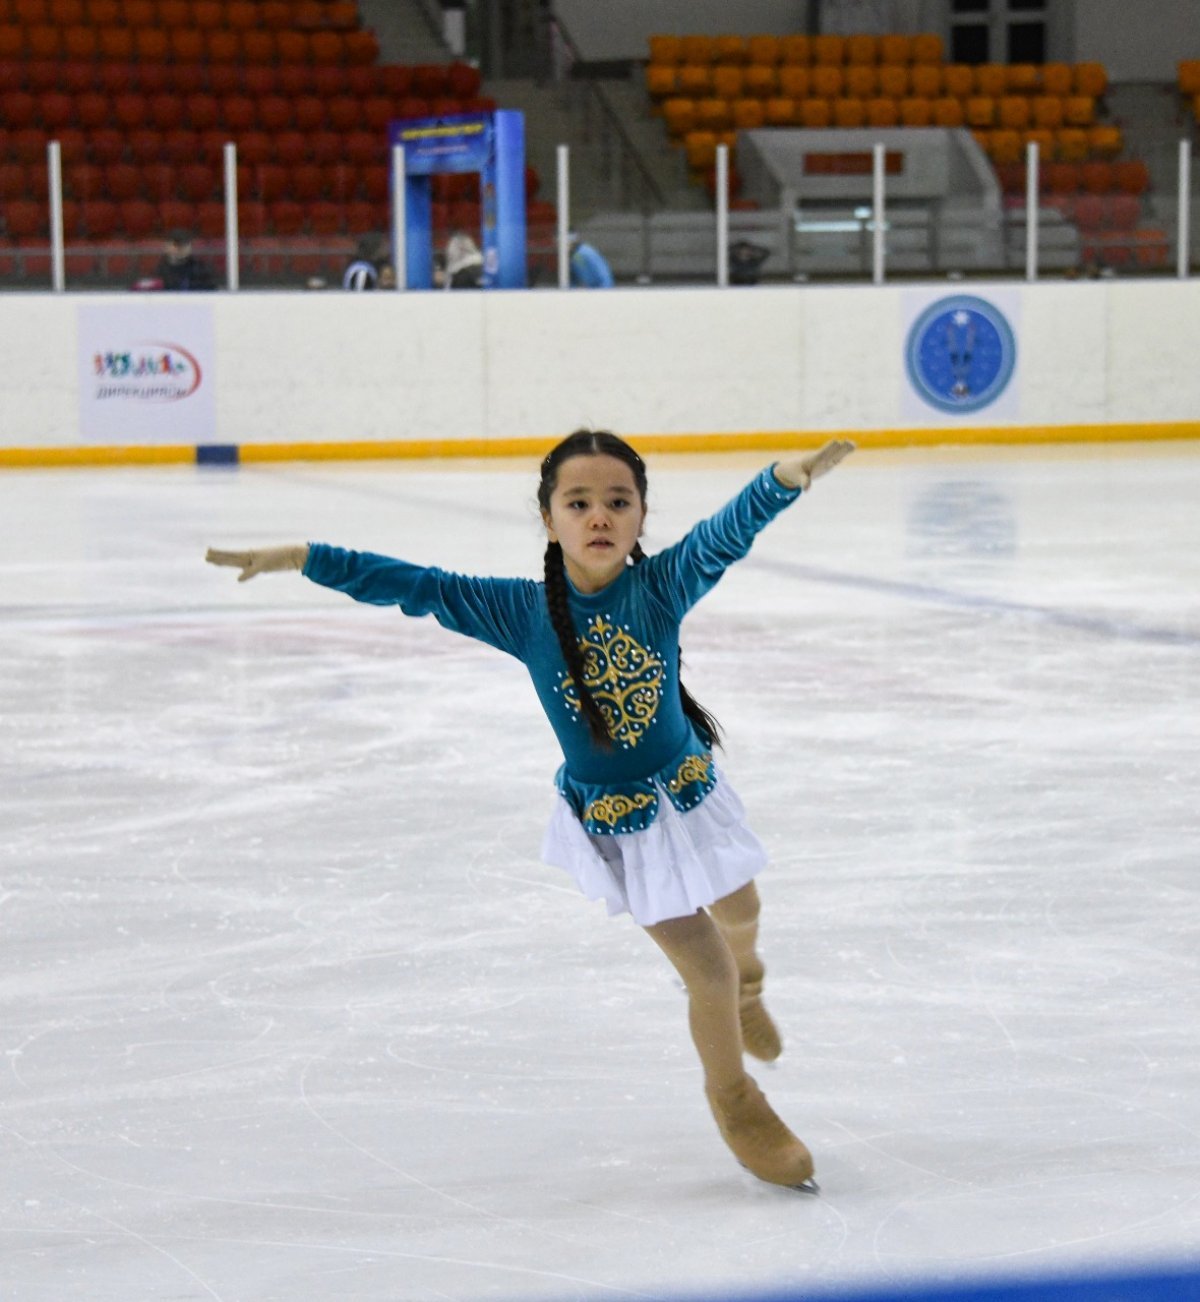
146, 372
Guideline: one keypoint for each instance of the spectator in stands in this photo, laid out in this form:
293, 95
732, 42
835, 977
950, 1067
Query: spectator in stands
745, 262
368, 262
464, 262
589, 269
179, 267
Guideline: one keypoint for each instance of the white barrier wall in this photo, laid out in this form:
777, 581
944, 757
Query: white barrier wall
500, 366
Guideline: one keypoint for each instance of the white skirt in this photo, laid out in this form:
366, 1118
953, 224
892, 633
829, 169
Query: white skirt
680, 863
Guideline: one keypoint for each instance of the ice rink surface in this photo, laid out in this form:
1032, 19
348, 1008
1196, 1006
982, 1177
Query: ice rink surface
291, 1011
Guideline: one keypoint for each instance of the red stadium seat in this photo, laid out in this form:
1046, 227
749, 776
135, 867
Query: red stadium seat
292, 147
286, 217
181, 145
146, 145
203, 110
122, 181
306, 182
138, 218
274, 113
255, 147
325, 217
309, 113
259, 80
328, 81
238, 114
99, 218
26, 219
343, 113
166, 111
198, 181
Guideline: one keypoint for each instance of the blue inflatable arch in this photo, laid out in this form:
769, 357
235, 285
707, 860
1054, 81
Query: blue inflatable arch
492, 144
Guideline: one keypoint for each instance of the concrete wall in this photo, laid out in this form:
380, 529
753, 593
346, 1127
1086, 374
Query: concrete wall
1131, 50
508, 366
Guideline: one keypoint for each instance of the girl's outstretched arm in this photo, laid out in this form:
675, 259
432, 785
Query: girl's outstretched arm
799, 471
260, 560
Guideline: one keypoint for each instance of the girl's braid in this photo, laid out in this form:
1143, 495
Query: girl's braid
560, 618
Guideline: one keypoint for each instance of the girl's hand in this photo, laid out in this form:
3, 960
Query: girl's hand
799, 472
260, 560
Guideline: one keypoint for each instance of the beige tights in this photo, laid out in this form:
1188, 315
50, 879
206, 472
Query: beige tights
702, 954
737, 917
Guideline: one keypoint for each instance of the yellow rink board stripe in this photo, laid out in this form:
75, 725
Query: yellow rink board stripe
420, 449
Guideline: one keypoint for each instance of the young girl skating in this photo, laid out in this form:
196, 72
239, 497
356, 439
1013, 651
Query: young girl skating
644, 819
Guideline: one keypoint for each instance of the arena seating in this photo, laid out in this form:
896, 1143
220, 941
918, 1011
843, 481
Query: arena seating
142, 96
707, 88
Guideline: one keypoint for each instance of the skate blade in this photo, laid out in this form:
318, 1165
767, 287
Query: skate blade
806, 1187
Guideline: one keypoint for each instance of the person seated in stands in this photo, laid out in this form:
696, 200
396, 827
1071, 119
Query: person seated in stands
745, 262
365, 269
179, 267
589, 269
464, 262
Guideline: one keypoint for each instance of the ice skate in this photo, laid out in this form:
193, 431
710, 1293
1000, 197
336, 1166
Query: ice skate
760, 1036
757, 1137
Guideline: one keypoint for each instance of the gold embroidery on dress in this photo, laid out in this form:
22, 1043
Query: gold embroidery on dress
695, 768
609, 809
622, 676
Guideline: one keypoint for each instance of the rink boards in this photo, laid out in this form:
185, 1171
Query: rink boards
95, 379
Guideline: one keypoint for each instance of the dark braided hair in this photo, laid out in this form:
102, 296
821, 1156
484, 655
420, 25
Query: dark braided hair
598, 443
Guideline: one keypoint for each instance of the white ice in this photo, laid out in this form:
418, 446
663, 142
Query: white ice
291, 1010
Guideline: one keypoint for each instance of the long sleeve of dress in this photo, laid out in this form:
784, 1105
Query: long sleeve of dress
683, 573
495, 611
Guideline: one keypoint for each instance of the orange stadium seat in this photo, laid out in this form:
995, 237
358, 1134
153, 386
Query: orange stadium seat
849, 112
1105, 141
827, 81
760, 79
694, 80
895, 48
780, 111
698, 49
1012, 112
795, 49
916, 111
958, 79
829, 49
861, 81
1047, 111
795, 81
882, 112
1079, 111
862, 49
1043, 137
979, 111
748, 114
660, 80
1089, 78
767, 50
1057, 79
727, 82
926, 80
667, 50
894, 80
927, 48
1189, 77
729, 49
991, 79
948, 112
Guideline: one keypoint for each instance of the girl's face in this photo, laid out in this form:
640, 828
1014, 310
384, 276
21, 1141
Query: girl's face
596, 516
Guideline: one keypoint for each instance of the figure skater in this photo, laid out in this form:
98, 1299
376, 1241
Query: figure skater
643, 819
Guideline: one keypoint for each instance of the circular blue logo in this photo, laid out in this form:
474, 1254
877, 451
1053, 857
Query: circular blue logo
960, 354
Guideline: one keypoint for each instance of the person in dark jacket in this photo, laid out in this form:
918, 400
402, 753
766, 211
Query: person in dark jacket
180, 268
